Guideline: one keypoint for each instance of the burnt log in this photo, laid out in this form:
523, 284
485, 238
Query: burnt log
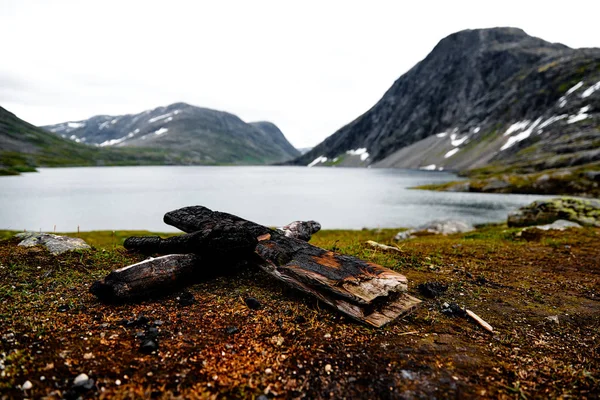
364, 291
147, 278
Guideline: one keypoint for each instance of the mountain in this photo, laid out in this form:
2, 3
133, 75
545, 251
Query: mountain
488, 97
205, 136
23, 147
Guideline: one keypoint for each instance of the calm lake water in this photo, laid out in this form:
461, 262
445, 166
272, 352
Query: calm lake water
119, 198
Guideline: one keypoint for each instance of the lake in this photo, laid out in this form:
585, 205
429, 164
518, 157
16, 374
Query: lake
119, 198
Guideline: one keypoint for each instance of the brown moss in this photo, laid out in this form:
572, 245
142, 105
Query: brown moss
297, 347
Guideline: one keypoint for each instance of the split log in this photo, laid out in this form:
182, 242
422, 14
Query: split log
365, 291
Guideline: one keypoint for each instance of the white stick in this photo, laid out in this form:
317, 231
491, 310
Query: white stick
480, 321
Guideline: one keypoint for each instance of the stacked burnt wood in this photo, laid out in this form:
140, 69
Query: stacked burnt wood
217, 242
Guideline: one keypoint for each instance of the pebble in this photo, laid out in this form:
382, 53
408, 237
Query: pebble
252, 303
328, 368
148, 346
83, 382
231, 330
63, 308
186, 299
118, 382
453, 310
268, 371
432, 289
27, 385
262, 397
327, 335
80, 379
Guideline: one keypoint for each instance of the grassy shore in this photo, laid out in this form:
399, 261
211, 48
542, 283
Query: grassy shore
52, 329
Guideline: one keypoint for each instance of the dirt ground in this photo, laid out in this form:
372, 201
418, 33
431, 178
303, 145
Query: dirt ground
540, 292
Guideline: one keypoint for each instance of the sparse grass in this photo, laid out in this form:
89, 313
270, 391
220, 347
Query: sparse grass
512, 283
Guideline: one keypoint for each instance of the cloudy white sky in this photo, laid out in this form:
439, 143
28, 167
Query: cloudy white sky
308, 66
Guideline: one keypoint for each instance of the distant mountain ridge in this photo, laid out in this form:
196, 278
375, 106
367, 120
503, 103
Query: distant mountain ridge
23, 147
481, 97
206, 136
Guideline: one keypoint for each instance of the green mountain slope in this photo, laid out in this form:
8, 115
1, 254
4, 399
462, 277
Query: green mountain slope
23, 147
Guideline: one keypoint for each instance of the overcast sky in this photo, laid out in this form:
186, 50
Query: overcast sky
308, 66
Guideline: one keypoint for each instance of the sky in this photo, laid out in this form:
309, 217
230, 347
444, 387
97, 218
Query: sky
308, 66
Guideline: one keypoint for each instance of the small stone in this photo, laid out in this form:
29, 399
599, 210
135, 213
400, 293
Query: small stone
27, 385
268, 371
453, 310
553, 318
186, 299
148, 346
83, 382
328, 368
118, 382
232, 330
252, 303
80, 379
262, 397
432, 289
88, 356
158, 322
327, 336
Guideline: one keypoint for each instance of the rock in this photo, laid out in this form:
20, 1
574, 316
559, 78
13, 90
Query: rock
63, 308
553, 318
558, 225
27, 385
252, 303
460, 187
148, 346
581, 211
438, 227
302, 230
495, 185
83, 382
453, 310
432, 289
186, 299
593, 175
54, 243
232, 330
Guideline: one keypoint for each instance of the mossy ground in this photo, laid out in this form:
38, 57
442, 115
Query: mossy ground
296, 346
562, 181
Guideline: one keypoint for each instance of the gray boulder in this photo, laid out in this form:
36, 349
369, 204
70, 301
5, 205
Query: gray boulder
438, 227
582, 211
54, 243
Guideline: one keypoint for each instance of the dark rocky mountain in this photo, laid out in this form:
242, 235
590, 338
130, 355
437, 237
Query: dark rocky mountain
481, 97
206, 136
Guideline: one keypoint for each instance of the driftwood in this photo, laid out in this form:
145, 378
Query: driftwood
365, 291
